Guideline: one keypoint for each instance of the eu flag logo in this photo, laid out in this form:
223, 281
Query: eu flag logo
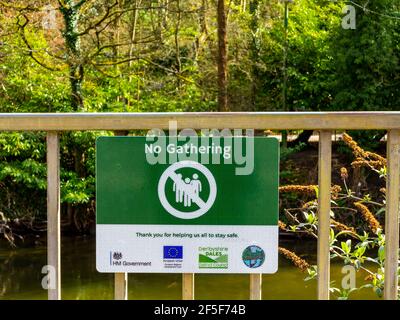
173, 252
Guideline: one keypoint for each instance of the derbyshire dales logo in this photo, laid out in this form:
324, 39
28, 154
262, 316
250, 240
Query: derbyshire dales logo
213, 258
187, 189
253, 256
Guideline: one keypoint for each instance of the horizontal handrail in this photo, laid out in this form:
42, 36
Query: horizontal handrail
198, 120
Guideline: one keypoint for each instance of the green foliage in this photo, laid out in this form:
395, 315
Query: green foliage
25, 86
173, 67
358, 245
285, 153
23, 171
368, 140
309, 60
366, 60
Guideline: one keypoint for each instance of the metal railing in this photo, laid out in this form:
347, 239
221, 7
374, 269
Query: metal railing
324, 122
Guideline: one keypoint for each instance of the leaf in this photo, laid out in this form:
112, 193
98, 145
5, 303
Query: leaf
380, 211
316, 191
381, 253
332, 238
379, 292
360, 251
348, 243
345, 247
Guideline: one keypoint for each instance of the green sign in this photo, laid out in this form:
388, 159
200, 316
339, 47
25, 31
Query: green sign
186, 205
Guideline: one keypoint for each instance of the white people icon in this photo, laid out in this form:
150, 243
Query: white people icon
187, 189
194, 189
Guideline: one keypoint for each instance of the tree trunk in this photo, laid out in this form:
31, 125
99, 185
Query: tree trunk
222, 58
76, 78
70, 12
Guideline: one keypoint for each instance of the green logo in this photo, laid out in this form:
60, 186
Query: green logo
253, 256
213, 258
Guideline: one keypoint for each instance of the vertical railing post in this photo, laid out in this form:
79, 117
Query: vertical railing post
324, 208
120, 278
120, 286
188, 286
53, 216
392, 215
255, 286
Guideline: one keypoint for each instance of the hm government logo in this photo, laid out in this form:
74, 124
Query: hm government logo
187, 189
213, 258
173, 257
253, 256
117, 255
116, 261
115, 258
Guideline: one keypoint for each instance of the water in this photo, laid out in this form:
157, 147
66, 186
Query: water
20, 277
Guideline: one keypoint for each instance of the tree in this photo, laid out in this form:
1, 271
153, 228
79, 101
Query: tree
71, 15
366, 59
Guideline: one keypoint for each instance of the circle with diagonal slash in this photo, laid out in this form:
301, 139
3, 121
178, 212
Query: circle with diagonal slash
204, 206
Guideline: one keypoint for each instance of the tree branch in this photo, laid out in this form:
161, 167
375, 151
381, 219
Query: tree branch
21, 28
